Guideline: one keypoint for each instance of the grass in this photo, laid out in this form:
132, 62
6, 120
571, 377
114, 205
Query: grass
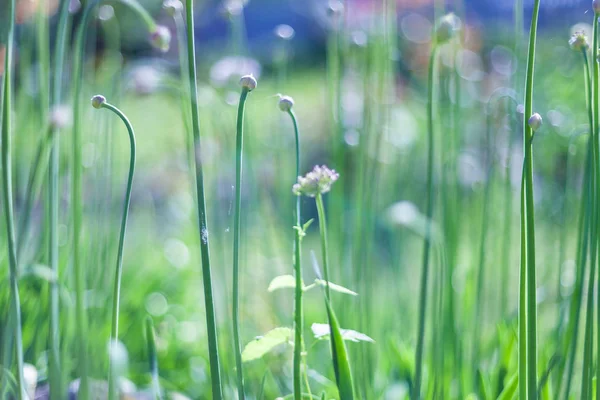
421, 223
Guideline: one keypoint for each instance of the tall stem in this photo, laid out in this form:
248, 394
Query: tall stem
239, 152
54, 364
528, 212
211, 323
114, 332
7, 200
427, 243
298, 314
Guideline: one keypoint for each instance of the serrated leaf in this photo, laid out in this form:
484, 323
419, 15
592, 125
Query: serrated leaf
321, 331
264, 344
282, 282
335, 288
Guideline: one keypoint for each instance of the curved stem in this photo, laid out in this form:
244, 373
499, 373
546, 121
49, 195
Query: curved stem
114, 332
202, 224
298, 313
7, 200
239, 152
416, 394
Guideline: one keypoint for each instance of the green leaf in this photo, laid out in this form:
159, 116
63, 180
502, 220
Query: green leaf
339, 354
321, 331
307, 224
282, 282
510, 389
264, 344
335, 288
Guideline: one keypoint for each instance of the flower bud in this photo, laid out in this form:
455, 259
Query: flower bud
447, 27
596, 6
172, 7
284, 32
285, 103
160, 38
579, 42
535, 122
98, 100
61, 117
248, 82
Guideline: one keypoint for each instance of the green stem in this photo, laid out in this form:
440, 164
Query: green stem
151, 343
588, 357
114, 333
523, 301
54, 363
427, 243
239, 153
572, 334
298, 313
596, 145
202, 223
7, 199
528, 211
323, 232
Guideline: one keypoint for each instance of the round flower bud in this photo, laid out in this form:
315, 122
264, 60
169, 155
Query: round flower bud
61, 117
535, 122
579, 42
160, 38
98, 100
284, 32
172, 7
447, 27
285, 103
596, 6
248, 82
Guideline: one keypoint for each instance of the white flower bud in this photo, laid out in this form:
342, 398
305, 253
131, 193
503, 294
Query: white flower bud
579, 42
285, 103
447, 27
248, 82
535, 122
284, 32
98, 100
173, 7
61, 117
160, 38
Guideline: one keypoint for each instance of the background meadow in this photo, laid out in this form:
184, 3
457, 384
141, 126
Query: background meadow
358, 75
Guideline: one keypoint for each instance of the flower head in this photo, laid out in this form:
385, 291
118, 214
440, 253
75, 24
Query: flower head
579, 41
596, 6
317, 181
447, 27
98, 100
248, 82
160, 38
535, 122
285, 103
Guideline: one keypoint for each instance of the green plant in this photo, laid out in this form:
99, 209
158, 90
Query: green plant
248, 84
99, 101
7, 200
211, 323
